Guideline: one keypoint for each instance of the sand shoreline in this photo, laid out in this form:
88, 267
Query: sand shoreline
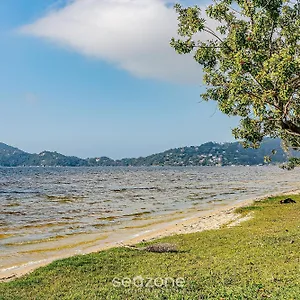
204, 220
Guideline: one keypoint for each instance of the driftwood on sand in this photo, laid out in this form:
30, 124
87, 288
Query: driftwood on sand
287, 200
159, 248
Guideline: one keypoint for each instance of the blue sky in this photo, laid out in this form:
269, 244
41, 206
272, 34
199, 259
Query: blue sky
80, 82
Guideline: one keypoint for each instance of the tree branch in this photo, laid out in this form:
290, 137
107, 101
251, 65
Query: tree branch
210, 31
285, 110
290, 127
271, 38
256, 81
295, 80
208, 47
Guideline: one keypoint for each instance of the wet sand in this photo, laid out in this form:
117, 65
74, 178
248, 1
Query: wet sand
189, 222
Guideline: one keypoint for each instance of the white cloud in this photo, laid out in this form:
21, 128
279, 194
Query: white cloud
132, 34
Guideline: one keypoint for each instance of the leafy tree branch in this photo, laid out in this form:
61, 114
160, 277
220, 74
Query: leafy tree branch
251, 63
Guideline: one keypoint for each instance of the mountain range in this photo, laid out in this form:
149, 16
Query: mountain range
208, 154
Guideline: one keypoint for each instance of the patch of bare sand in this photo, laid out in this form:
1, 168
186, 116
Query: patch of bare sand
205, 220
201, 222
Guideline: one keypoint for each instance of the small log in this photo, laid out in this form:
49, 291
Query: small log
287, 200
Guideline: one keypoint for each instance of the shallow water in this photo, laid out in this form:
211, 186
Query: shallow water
46, 210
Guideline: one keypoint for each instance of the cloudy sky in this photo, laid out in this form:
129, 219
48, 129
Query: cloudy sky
98, 77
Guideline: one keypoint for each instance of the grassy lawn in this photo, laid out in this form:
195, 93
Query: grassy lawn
260, 259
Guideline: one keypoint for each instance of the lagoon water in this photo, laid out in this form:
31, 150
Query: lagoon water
44, 211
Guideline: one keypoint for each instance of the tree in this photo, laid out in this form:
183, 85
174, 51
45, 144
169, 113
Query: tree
251, 64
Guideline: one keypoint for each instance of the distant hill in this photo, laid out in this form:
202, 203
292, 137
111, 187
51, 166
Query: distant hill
208, 154
212, 154
10, 156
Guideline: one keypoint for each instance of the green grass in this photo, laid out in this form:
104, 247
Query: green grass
260, 259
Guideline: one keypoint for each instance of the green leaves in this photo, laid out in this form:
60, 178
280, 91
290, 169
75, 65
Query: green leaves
190, 21
251, 63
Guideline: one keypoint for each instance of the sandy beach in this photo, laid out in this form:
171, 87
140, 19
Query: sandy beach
200, 221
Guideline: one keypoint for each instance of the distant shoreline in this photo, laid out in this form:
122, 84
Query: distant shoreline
207, 154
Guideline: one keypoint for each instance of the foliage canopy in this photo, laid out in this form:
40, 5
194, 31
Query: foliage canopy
251, 63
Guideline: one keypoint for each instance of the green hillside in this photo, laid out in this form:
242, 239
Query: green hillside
208, 154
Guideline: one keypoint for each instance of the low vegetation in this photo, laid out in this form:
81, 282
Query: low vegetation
259, 259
